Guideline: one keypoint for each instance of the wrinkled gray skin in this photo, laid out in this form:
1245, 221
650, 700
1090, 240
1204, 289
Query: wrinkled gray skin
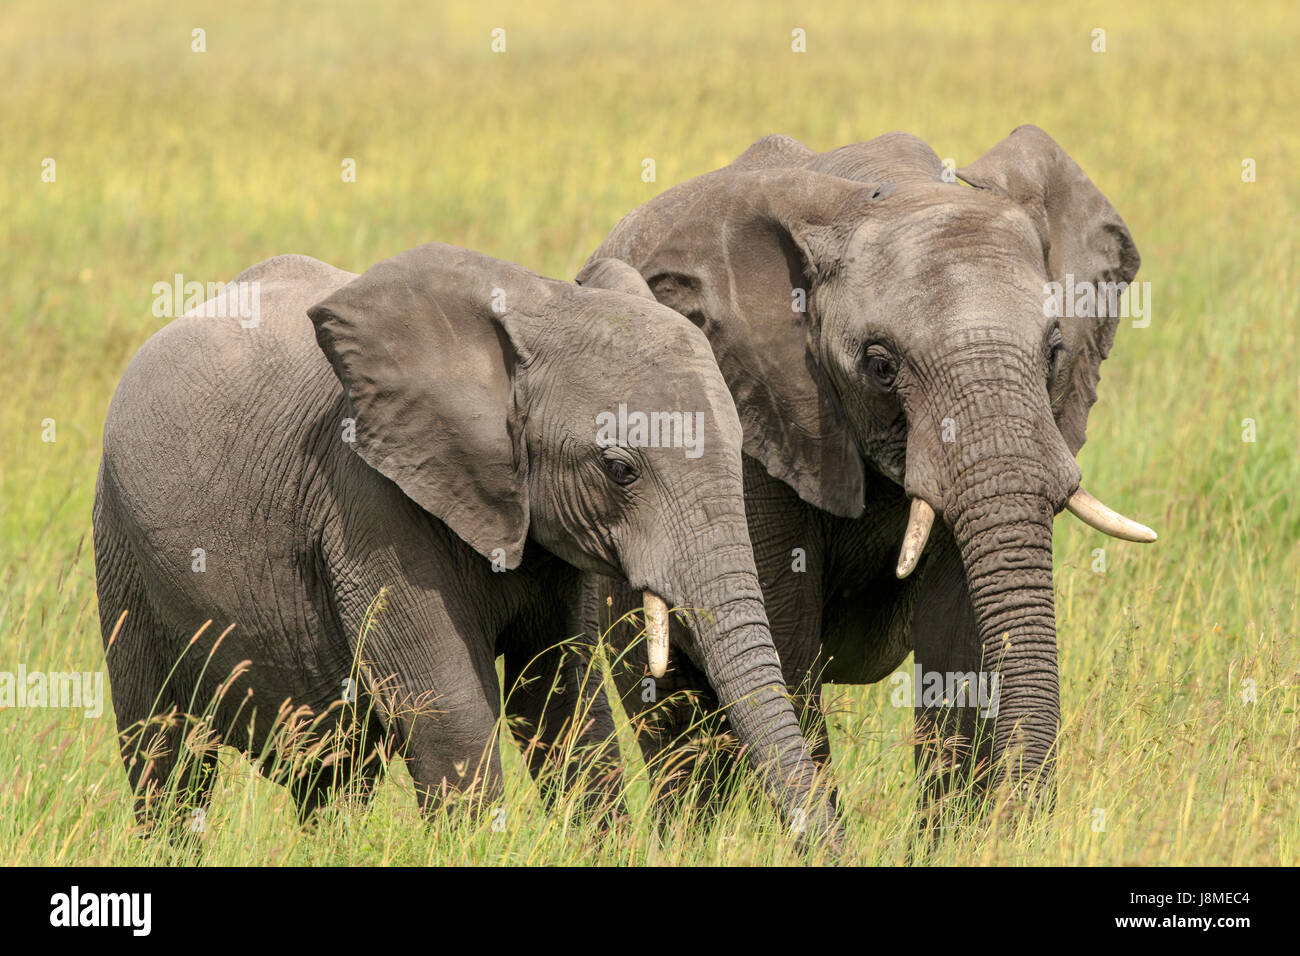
946, 283
474, 385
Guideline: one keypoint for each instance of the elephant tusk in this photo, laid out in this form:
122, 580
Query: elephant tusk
656, 632
1095, 514
919, 522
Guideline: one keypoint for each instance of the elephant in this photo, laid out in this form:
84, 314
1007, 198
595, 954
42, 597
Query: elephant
391, 479
898, 351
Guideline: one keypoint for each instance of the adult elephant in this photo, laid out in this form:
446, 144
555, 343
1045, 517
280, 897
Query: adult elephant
430, 432
887, 335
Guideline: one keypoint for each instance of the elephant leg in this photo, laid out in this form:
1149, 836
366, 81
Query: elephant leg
171, 765
450, 748
432, 675
955, 743
351, 767
559, 716
171, 781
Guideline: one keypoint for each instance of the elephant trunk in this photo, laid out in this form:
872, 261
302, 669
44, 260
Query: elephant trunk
735, 648
999, 477
1005, 541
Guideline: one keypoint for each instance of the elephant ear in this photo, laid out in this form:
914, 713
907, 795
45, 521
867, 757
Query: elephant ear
1084, 237
615, 275
742, 262
422, 347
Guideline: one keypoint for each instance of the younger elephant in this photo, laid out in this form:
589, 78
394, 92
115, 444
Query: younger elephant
384, 483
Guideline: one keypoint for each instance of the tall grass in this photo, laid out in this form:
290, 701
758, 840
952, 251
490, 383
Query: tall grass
1180, 675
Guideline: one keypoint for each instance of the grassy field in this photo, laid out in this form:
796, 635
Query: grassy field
1180, 663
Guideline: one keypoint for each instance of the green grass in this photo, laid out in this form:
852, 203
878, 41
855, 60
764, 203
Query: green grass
170, 161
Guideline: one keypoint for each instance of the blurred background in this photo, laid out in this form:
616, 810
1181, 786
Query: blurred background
1180, 662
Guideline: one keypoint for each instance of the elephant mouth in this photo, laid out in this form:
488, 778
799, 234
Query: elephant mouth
1081, 504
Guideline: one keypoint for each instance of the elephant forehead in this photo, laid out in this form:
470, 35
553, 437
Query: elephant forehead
944, 215
630, 334
948, 256
637, 354
665, 385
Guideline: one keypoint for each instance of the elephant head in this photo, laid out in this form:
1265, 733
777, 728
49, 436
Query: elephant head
593, 422
870, 311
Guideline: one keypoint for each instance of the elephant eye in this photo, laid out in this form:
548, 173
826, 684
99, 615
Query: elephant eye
880, 367
618, 465
1055, 352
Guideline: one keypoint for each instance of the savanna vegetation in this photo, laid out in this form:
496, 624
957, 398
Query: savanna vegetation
1180, 661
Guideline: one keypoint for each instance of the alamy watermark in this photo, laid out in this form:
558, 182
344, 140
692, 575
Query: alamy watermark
215, 300
133, 911
1098, 300
80, 690
920, 688
626, 429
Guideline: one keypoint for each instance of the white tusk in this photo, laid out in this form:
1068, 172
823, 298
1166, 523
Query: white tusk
919, 522
1095, 514
656, 632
